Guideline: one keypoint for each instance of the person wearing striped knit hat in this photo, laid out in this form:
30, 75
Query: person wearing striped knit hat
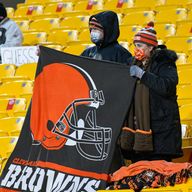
152, 129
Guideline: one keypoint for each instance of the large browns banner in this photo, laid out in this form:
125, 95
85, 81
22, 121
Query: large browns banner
72, 125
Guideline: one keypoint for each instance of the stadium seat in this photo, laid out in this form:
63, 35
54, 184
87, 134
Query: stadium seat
166, 7
125, 44
34, 38
182, 58
164, 30
118, 5
12, 107
138, 18
180, 43
8, 144
11, 126
76, 49
62, 36
16, 89
189, 16
184, 94
171, 15
75, 22
28, 10
89, 6
84, 35
55, 46
175, 2
185, 76
23, 24
58, 8
7, 70
127, 32
10, 12
189, 59
184, 28
45, 24
23, 72
148, 3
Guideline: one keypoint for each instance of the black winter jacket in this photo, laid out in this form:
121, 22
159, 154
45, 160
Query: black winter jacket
162, 80
110, 49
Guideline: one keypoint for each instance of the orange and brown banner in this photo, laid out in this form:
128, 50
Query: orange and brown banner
70, 131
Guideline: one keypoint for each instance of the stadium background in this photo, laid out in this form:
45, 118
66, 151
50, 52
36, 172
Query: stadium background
63, 25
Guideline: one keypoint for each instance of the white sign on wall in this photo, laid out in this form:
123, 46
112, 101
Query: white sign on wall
19, 55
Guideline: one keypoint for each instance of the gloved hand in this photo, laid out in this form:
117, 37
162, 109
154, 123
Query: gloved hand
136, 71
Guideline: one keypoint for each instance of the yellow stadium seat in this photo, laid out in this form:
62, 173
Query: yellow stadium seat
77, 49
125, 44
11, 126
166, 7
85, 35
184, 92
12, 107
182, 58
138, 18
118, 6
185, 76
16, 89
23, 24
23, 72
175, 2
29, 10
189, 17
127, 32
34, 38
7, 70
45, 24
148, 3
63, 36
164, 30
75, 22
184, 66
171, 15
8, 144
184, 28
10, 12
57, 47
180, 43
189, 59
58, 8
88, 6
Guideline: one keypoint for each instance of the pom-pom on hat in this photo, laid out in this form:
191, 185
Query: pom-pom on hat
147, 35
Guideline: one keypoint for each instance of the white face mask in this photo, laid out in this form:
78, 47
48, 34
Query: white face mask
96, 37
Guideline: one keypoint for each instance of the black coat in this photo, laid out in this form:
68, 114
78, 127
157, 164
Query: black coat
162, 80
110, 49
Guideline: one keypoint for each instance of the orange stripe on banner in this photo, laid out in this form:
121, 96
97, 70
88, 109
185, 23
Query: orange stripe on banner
128, 129
99, 176
7, 190
144, 132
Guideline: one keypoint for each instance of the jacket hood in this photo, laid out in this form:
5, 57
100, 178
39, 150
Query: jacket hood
3, 12
165, 54
110, 23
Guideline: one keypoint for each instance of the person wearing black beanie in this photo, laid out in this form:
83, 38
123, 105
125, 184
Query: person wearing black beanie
10, 34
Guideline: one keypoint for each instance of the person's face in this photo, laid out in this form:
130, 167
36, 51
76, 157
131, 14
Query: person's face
144, 49
97, 35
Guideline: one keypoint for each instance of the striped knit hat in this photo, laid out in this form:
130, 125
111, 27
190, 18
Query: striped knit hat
147, 35
94, 24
